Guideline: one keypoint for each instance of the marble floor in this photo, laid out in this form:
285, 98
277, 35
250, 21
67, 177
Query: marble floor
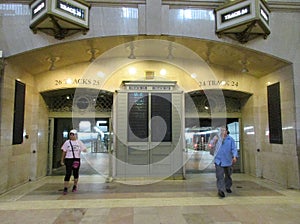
189, 201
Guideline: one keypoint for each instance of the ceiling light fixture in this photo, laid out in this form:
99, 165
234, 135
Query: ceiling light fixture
92, 52
1, 61
208, 57
170, 48
245, 70
132, 71
131, 56
163, 72
244, 63
52, 61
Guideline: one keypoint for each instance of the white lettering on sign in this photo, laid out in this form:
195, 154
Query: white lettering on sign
75, 11
137, 87
70, 10
208, 83
161, 88
236, 14
264, 14
38, 8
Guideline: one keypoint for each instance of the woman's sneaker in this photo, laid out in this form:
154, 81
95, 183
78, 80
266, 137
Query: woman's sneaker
74, 188
65, 191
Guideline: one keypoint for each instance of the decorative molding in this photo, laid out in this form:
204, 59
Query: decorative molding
194, 3
117, 3
274, 5
284, 6
60, 101
203, 105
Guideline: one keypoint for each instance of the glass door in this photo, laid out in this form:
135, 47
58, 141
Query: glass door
197, 139
93, 132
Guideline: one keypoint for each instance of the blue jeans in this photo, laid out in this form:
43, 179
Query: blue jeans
223, 175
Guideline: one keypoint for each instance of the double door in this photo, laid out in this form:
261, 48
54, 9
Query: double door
149, 142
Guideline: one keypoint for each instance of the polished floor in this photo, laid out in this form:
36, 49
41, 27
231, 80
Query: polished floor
189, 201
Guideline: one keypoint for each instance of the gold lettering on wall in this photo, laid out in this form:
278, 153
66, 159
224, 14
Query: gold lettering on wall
210, 83
83, 82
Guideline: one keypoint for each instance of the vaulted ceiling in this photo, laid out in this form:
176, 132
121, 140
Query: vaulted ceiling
217, 54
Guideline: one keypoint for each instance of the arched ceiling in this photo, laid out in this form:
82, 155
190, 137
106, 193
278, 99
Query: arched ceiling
218, 54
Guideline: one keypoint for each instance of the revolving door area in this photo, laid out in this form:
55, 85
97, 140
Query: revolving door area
148, 130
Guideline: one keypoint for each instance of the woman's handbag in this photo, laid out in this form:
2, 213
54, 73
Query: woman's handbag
76, 164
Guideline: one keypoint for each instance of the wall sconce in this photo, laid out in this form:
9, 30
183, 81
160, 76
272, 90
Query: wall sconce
170, 48
131, 56
208, 57
244, 70
244, 63
52, 61
1, 61
93, 52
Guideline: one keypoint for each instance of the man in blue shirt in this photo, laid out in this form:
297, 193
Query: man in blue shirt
225, 156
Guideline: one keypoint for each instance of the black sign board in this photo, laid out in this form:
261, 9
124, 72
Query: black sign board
274, 112
161, 108
19, 109
138, 117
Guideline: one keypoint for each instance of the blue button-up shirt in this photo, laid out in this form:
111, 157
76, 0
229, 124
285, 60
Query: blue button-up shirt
226, 152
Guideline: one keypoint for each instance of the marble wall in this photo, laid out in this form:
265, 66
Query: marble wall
276, 162
26, 161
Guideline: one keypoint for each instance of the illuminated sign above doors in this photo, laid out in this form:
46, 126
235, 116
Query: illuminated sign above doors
59, 18
243, 20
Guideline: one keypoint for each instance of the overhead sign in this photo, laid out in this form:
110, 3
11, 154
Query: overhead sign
59, 18
243, 20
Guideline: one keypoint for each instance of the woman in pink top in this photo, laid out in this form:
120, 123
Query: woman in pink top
71, 151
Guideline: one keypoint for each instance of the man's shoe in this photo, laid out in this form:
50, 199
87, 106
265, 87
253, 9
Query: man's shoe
228, 190
221, 194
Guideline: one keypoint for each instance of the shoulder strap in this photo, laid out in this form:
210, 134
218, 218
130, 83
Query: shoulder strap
72, 148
